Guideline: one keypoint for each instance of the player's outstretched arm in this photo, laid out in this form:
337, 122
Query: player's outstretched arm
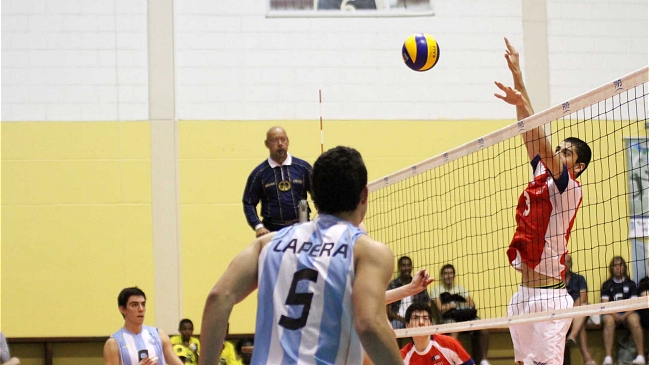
374, 266
236, 283
536, 141
419, 282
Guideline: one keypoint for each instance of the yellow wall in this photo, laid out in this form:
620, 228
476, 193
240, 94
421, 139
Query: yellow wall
76, 224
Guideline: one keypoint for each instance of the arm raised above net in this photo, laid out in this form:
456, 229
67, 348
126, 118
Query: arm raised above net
536, 141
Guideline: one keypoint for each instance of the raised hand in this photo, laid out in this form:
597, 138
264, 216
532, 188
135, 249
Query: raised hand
512, 57
512, 96
421, 279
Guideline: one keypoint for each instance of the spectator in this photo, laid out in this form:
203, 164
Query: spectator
185, 343
280, 183
456, 305
244, 349
578, 290
643, 291
431, 349
5, 357
397, 309
229, 354
620, 287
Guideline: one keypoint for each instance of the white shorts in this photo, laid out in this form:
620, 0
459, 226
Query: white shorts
540, 342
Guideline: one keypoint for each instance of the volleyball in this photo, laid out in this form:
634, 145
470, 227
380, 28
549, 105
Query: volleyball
420, 52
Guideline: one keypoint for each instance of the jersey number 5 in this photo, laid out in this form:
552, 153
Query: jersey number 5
303, 299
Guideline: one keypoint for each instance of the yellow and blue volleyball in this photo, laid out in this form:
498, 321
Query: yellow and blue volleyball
420, 52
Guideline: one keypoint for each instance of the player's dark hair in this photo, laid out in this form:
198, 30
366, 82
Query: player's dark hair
122, 298
337, 180
183, 321
612, 264
447, 266
419, 306
583, 152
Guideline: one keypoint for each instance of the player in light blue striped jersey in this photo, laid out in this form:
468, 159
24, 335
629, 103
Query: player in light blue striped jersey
321, 283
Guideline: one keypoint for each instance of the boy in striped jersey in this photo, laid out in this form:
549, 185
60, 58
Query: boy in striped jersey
136, 343
321, 283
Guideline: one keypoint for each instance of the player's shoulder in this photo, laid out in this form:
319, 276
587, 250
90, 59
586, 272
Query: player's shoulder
365, 248
446, 341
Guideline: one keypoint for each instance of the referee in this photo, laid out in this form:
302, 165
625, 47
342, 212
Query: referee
280, 182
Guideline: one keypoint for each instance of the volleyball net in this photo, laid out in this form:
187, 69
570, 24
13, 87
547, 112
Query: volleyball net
459, 207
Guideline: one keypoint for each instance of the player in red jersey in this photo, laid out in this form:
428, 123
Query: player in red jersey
431, 349
544, 218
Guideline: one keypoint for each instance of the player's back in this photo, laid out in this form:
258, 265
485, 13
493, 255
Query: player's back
304, 310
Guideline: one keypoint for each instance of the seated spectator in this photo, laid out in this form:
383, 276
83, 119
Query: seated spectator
431, 349
456, 305
229, 354
185, 344
643, 291
578, 290
244, 349
620, 287
5, 357
397, 309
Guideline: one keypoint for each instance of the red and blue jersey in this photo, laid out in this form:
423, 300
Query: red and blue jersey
441, 350
545, 215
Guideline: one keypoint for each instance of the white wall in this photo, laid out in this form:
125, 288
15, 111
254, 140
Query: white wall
87, 59
592, 42
74, 60
234, 63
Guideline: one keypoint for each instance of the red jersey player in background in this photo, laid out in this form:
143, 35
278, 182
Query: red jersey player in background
544, 218
431, 349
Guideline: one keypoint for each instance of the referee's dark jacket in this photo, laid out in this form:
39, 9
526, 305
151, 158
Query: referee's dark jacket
279, 207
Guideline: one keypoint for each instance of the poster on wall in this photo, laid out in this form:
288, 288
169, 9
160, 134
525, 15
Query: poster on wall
638, 175
351, 5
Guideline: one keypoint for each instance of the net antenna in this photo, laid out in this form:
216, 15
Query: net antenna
459, 207
321, 131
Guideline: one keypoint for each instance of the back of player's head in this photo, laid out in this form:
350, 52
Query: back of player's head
447, 266
419, 306
122, 298
583, 152
185, 321
338, 179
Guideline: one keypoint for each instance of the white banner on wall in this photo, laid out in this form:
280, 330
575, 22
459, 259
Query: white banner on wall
638, 175
638, 227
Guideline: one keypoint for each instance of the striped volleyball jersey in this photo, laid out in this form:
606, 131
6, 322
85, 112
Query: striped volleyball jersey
304, 311
130, 344
441, 350
545, 215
